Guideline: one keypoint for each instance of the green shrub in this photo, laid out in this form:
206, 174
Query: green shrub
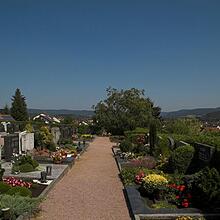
19, 205
27, 167
21, 191
181, 158
163, 146
35, 164
52, 146
15, 168
126, 146
207, 186
4, 187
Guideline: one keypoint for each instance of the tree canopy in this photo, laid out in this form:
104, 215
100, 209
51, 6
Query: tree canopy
18, 107
125, 110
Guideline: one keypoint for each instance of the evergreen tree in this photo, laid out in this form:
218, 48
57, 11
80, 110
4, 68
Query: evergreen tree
18, 107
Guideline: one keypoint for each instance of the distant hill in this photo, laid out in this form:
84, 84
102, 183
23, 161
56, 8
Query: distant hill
212, 116
198, 112
63, 112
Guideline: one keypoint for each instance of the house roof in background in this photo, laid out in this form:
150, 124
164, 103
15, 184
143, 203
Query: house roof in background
6, 118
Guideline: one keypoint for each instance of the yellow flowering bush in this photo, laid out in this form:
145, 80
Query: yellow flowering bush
154, 182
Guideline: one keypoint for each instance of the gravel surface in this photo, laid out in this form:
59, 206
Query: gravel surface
90, 190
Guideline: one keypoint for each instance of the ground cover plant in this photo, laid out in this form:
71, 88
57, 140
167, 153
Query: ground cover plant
24, 163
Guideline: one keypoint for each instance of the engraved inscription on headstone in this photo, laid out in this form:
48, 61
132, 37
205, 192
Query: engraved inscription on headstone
205, 152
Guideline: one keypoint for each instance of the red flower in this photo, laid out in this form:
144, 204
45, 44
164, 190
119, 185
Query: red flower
182, 188
185, 204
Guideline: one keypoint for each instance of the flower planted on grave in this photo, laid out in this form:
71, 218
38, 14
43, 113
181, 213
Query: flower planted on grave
182, 195
155, 185
59, 156
12, 181
139, 178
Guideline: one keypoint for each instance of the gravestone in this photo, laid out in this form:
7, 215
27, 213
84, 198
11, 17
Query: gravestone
202, 157
49, 170
66, 132
43, 177
11, 145
204, 152
56, 134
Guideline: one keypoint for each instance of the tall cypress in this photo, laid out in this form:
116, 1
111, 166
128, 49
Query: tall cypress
19, 107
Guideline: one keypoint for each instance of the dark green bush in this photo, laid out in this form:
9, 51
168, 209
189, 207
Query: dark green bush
52, 146
27, 167
181, 158
15, 168
4, 187
163, 146
207, 186
126, 146
35, 164
215, 160
21, 191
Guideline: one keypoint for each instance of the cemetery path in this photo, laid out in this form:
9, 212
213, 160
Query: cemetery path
90, 190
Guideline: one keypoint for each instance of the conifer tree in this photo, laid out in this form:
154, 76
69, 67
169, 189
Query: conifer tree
18, 107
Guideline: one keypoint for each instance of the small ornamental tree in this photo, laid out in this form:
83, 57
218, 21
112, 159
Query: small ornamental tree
18, 107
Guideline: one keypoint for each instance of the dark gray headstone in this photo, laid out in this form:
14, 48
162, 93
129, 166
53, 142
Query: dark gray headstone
204, 152
43, 177
11, 145
49, 170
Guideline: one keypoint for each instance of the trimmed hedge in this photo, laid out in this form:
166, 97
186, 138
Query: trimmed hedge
181, 158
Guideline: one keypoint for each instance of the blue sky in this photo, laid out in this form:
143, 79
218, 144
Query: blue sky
64, 54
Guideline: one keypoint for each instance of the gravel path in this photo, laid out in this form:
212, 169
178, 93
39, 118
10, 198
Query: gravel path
90, 190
